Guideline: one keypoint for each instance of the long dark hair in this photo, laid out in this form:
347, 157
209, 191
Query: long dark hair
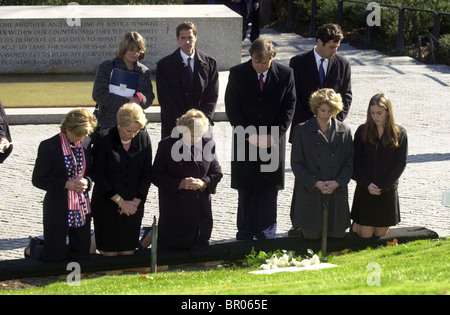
390, 136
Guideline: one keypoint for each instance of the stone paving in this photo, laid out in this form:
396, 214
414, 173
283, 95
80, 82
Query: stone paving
420, 95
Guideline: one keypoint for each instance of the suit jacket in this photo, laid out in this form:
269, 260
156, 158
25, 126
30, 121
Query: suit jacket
307, 81
185, 216
174, 95
313, 159
4, 133
50, 174
262, 112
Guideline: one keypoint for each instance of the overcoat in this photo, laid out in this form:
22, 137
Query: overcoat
4, 133
50, 174
185, 216
307, 81
174, 95
108, 103
314, 158
263, 112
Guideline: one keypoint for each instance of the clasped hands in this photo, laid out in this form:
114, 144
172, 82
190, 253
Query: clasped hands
261, 141
374, 190
327, 187
77, 184
191, 183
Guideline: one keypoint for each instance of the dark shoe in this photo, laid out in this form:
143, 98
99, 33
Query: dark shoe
295, 231
33, 242
147, 230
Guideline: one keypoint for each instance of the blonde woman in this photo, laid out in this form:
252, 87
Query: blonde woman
322, 162
63, 169
122, 166
131, 51
186, 171
381, 151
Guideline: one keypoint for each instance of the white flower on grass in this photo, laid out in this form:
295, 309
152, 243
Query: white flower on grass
315, 260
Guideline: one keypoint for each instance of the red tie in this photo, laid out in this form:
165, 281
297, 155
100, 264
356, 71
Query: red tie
261, 81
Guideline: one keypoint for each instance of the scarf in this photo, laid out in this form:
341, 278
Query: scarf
79, 204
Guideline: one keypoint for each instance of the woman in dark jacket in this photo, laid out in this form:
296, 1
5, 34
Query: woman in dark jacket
122, 166
186, 171
62, 169
381, 152
130, 51
322, 162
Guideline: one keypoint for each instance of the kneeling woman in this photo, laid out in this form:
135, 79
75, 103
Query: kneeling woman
62, 169
122, 166
186, 171
381, 151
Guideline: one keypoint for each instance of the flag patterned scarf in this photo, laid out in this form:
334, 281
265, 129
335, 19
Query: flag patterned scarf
79, 204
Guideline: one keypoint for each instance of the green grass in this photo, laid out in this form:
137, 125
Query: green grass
48, 90
420, 267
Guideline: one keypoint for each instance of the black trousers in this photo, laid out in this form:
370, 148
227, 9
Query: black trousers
257, 214
55, 246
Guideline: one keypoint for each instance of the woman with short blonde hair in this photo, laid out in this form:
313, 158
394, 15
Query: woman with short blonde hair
329, 97
130, 41
131, 113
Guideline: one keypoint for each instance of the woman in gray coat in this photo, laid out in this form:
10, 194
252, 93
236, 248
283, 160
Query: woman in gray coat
322, 162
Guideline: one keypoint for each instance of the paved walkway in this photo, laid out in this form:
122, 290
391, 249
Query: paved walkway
420, 96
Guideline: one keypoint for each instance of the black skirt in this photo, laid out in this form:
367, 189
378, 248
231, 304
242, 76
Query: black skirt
377, 211
117, 233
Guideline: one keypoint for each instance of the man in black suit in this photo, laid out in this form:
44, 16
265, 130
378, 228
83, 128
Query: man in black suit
259, 102
337, 73
320, 68
188, 78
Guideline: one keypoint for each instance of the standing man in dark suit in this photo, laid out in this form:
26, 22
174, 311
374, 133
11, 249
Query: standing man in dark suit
186, 79
320, 68
336, 73
259, 102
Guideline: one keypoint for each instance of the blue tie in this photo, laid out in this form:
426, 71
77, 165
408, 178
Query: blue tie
321, 72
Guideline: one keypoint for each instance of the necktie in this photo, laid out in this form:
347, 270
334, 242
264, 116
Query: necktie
261, 81
321, 72
189, 69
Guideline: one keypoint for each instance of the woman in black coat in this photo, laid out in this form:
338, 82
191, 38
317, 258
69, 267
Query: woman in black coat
122, 166
186, 171
62, 169
381, 152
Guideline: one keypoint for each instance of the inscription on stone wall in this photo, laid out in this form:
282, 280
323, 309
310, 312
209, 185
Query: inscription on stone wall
53, 46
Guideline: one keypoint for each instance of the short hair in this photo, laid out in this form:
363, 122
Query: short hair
131, 113
130, 41
329, 32
80, 122
262, 47
328, 97
186, 25
192, 119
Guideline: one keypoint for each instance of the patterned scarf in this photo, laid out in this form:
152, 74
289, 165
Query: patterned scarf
79, 204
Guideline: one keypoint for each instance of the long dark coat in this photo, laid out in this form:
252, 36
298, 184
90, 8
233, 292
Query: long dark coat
247, 106
307, 81
185, 217
174, 96
50, 174
4, 133
314, 159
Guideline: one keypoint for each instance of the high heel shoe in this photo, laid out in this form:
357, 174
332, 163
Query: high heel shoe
33, 242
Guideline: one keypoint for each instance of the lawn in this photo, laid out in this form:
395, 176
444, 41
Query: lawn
419, 267
48, 90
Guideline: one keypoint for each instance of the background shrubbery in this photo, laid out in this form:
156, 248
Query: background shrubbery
384, 37
87, 2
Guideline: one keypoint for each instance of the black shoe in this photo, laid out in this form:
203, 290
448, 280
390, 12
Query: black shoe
33, 242
295, 231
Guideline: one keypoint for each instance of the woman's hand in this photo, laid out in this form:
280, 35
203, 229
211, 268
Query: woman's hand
327, 187
190, 183
78, 184
127, 207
